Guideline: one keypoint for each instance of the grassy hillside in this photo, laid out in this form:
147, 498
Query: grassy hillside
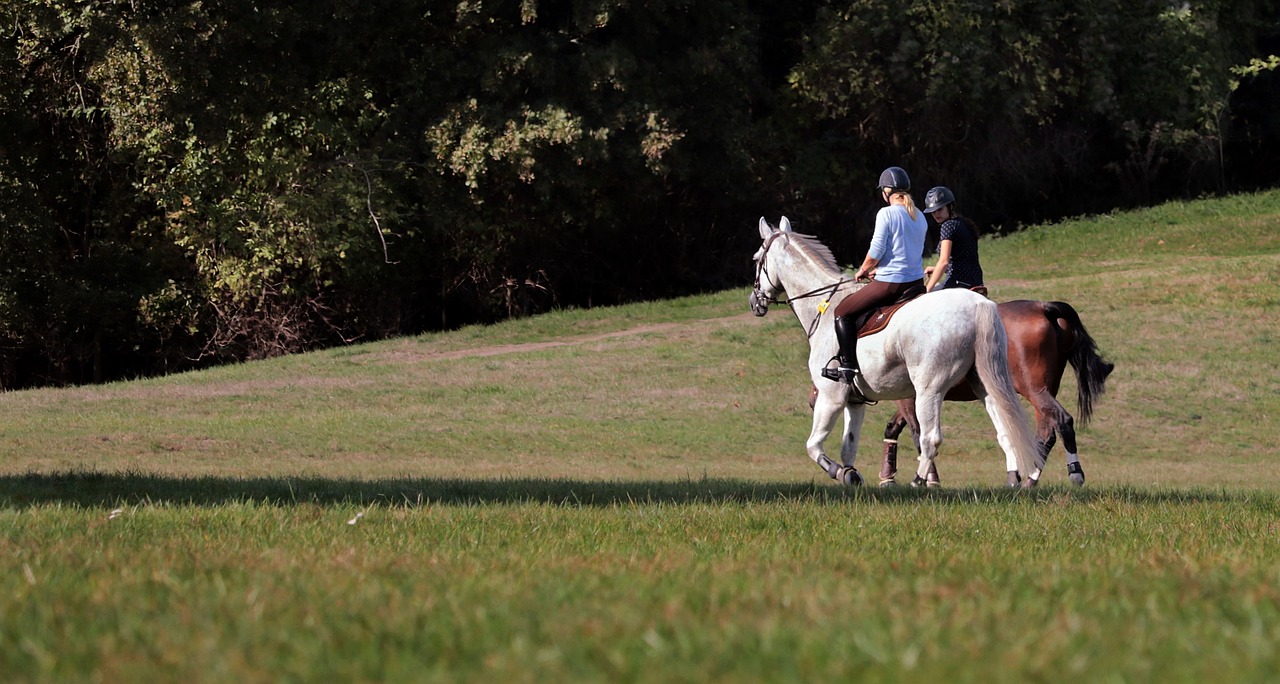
1184, 298
623, 495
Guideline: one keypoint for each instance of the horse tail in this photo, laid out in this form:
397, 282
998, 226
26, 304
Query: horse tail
992, 361
1091, 369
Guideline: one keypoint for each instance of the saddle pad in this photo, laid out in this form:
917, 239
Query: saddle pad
877, 319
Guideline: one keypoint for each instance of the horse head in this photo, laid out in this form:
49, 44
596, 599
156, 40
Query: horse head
765, 290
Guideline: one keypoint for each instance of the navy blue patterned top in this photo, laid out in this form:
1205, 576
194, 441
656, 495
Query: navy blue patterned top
964, 269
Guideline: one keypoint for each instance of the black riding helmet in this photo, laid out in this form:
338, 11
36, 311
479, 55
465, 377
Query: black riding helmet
894, 178
937, 198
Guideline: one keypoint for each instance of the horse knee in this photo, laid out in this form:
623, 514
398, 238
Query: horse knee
929, 443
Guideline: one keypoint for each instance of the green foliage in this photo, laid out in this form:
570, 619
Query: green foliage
1257, 66
1020, 99
74, 268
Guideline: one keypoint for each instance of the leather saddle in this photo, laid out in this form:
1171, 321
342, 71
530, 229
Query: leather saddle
875, 320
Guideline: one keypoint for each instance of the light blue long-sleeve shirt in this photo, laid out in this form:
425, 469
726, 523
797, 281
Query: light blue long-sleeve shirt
898, 244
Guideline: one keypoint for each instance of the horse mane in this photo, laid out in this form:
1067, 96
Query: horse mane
811, 246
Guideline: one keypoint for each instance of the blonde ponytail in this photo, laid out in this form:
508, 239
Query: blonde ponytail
907, 202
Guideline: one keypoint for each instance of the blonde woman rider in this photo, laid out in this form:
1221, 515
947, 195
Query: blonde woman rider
896, 254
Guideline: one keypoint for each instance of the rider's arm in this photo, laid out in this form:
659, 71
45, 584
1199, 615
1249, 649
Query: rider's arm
940, 270
879, 248
868, 265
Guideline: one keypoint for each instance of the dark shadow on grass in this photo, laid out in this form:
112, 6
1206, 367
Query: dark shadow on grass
97, 489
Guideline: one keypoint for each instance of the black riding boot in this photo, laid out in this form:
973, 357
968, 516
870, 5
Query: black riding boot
847, 336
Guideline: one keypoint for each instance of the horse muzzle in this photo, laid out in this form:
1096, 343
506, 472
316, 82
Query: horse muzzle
759, 303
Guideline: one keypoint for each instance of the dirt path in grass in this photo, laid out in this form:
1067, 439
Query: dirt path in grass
501, 349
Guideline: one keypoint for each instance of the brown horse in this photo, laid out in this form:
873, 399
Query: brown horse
1043, 338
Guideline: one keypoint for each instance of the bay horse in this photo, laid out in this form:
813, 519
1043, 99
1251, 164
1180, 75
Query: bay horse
931, 344
1043, 338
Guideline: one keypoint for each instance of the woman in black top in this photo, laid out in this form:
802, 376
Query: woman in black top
958, 264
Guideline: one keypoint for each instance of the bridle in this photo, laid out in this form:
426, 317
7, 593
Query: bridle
760, 302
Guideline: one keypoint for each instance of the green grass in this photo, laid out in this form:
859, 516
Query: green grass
622, 494
715, 580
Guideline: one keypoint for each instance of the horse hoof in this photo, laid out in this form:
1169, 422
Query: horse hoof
885, 484
851, 477
1029, 483
1014, 479
1076, 474
917, 481
932, 484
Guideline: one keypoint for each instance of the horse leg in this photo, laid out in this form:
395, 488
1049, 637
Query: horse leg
1052, 420
1048, 413
849, 440
931, 479
1075, 471
929, 415
892, 430
1014, 478
825, 411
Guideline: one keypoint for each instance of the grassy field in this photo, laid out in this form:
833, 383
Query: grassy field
622, 495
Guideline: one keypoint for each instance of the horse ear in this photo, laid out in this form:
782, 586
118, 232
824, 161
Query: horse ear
765, 229
784, 225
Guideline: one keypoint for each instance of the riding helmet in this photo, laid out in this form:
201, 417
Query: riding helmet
895, 178
937, 198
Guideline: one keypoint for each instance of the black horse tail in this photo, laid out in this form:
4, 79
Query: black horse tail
1091, 369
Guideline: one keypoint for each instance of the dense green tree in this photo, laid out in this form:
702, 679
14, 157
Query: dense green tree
1037, 109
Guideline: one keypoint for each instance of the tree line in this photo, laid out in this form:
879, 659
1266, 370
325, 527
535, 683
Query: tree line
187, 183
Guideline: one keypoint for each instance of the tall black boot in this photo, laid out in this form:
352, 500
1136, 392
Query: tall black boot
847, 336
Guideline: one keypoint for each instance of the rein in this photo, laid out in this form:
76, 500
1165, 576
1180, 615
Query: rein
822, 307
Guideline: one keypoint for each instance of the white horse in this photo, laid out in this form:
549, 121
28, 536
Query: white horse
930, 345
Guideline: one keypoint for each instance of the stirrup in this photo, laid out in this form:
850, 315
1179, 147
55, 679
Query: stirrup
841, 373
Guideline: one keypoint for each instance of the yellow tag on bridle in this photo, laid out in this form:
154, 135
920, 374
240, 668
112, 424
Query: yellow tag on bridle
822, 308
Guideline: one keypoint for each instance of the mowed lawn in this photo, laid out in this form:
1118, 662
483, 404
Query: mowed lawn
622, 494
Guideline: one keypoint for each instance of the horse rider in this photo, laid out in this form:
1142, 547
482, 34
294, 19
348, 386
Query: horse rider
896, 254
958, 264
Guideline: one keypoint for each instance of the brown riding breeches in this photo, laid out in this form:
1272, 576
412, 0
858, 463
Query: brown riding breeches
874, 294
